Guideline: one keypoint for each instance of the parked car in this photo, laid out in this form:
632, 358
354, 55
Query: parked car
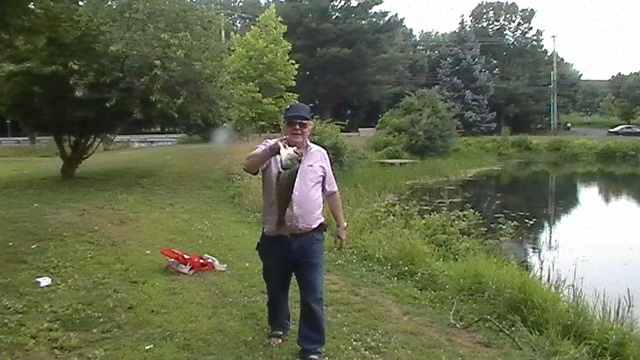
624, 130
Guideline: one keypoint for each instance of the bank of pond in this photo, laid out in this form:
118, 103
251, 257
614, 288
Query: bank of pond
540, 247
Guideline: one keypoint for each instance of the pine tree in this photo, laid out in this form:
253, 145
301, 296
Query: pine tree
465, 82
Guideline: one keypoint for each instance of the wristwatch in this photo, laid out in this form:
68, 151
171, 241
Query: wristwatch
344, 226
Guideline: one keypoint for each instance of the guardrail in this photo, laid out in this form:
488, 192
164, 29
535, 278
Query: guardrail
17, 141
132, 140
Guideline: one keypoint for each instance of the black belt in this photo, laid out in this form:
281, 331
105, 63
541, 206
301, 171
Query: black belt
320, 228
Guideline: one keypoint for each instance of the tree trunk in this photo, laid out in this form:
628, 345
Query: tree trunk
32, 137
69, 167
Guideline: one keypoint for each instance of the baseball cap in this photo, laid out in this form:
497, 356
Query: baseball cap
297, 111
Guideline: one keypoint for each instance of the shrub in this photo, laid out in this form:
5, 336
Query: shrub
505, 146
557, 145
327, 135
619, 151
393, 152
522, 143
422, 125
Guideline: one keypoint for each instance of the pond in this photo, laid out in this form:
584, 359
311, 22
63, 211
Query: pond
578, 225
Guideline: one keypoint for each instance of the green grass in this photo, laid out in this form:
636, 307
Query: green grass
99, 237
388, 296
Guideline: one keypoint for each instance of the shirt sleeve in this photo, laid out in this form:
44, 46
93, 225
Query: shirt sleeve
260, 148
329, 184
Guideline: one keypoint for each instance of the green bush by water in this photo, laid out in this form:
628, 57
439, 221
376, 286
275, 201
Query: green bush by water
557, 148
421, 125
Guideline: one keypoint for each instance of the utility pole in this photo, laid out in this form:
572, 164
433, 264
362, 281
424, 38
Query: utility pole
554, 84
223, 34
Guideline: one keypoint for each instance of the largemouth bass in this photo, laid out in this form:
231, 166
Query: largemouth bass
290, 159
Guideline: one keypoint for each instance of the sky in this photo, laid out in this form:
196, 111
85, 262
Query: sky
600, 38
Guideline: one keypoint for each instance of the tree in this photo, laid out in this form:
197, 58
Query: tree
86, 69
240, 14
609, 106
568, 86
259, 74
590, 95
16, 19
176, 64
429, 54
465, 82
626, 90
521, 67
353, 60
51, 86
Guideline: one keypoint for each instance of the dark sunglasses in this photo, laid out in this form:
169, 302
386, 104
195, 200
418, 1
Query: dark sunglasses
301, 124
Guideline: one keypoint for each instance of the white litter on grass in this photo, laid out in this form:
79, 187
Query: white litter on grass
217, 265
148, 347
43, 281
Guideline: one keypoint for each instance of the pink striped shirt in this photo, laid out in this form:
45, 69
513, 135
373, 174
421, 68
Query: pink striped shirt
315, 180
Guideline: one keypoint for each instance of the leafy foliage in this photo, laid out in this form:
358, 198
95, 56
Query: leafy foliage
259, 73
422, 125
609, 106
519, 62
353, 59
57, 85
240, 14
91, 68
626, 90
175, 64
465, 82
590, 94
327, 135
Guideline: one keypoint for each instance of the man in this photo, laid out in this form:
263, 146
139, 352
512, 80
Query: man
297, 248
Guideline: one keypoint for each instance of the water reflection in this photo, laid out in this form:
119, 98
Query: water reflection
580, 226
598, 240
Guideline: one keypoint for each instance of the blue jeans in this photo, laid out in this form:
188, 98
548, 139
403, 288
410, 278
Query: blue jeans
302, 256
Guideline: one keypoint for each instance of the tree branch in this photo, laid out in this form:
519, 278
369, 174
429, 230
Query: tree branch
484, 317
92, 147
58, 139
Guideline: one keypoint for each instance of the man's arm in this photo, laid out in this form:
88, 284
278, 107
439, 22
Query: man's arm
334, 201
258, 157
335, 206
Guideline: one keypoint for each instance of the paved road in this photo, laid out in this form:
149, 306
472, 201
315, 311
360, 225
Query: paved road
589, 131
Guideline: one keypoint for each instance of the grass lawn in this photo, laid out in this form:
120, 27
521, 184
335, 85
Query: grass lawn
99, 237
